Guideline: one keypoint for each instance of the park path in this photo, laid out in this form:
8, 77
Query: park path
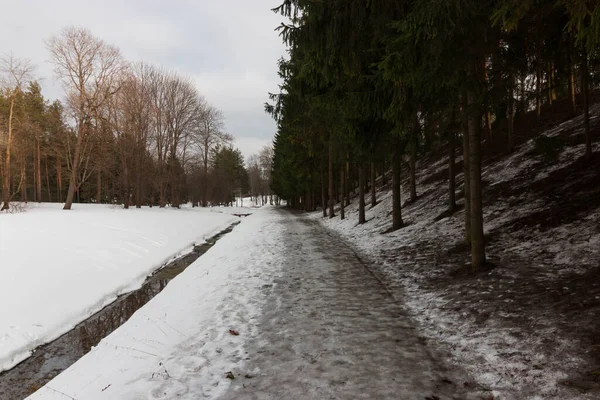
329, 329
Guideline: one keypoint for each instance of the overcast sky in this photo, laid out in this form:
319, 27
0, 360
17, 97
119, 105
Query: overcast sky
228, 47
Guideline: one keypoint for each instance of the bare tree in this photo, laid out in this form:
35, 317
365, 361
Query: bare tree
89, 69
15, 73
138, 104
266, 162
116, 115
157, 78
183, 107
255, 177
211, 135
259, 173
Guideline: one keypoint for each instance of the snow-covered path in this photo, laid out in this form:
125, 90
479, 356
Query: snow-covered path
313, 323
330, 330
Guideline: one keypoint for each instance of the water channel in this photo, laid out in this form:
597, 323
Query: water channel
52, 358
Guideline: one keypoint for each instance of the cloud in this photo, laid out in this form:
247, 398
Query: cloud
228, 47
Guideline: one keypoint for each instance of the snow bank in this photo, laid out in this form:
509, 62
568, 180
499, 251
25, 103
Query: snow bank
178, 345
59, 267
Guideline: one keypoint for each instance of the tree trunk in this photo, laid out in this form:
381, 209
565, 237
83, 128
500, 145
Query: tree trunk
175, 184
99, 186
331, 189
451, 174
549, 86
205, 179
488, 125
427, 130
6, 178
127, 187
373, 189
466, 170
538, 89
510, 113
523, 103
361, 194
343, 188
552, 82
572, 101
39, 173
477, 238
538, 61
323, 193
73, 184
175, 196
23, 180
488, 114
346, 180
35, 177
138, 192
586, 105
413, 172
162, 201
59, 178
138, 182
47, 180
396, 191
336, 187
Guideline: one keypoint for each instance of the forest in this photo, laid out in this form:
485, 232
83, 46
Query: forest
371, 87
127, 133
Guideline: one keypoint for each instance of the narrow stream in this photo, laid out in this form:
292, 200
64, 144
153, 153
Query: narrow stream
51, 359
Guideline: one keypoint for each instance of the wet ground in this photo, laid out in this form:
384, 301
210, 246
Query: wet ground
331, 330
51, 359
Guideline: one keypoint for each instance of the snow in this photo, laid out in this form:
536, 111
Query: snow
242, 207
178, 344
313, 322
243, 211
60, 267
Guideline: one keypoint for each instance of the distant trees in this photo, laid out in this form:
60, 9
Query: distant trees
229, 171
15, 74
127, 133
211, 134
376, 85
131, 118
259, 173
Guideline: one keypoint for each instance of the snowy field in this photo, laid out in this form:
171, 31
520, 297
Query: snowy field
60, 267
178, 345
